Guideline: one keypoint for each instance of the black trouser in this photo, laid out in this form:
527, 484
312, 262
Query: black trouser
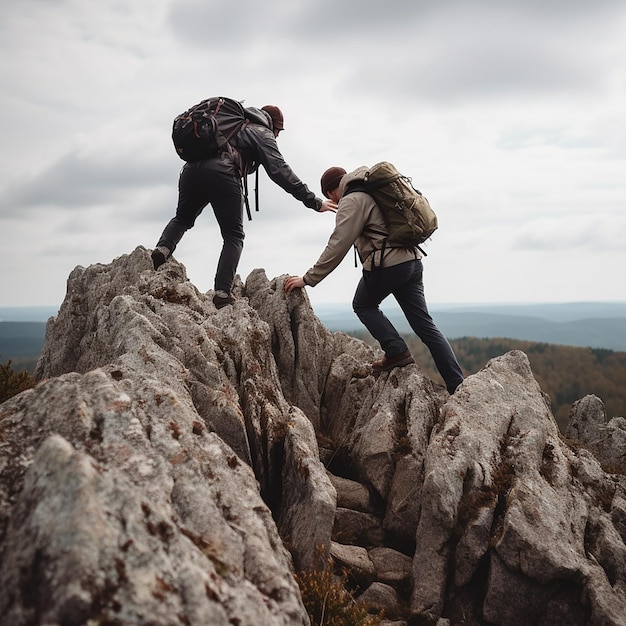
213, 181
404, 281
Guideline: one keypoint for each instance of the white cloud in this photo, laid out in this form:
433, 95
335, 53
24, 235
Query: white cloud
508, 115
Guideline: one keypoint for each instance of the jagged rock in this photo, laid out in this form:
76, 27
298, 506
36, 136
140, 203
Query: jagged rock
168, 456
352, 494
404, 500
470, 548
589, 426
391, 567
401, 410
305, 351
346, 390
356, 560
117, 502
587, 419
182, 528
358, 528
515, 506
618, 515
309, 498
381, 597
301, 371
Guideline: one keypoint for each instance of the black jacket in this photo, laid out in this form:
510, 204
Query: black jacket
256, 145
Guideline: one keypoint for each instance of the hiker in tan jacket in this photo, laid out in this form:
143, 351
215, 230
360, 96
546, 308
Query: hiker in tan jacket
386, 270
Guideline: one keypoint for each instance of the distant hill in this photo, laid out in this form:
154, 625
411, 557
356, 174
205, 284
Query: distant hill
593, 325
555, 312
22, 333
579, 324
21, 339
27, 313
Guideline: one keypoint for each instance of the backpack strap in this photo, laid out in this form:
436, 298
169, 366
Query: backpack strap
361, 185
244, 177
256, 194
256, 190
222, 141
351, 187
236, 130
356, 185
245, 197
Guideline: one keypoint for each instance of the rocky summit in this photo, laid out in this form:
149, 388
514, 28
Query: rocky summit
178, 464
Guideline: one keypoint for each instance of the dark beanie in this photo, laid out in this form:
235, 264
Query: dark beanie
331, 179
276, 114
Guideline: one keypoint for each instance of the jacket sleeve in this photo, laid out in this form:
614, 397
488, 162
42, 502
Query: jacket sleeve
349, 224
270, 157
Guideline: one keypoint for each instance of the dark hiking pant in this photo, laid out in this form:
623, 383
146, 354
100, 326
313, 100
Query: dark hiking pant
404, 282
214, 182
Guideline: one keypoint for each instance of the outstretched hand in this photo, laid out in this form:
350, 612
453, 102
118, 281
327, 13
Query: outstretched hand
328, 205
293, 282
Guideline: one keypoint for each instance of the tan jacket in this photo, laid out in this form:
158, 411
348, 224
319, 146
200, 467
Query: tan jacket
358, 221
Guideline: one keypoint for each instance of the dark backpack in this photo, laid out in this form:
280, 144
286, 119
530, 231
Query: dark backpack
408, 215
204, 130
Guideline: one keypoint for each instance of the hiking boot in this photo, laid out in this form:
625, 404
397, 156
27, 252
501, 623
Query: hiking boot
159, 255
222, 299
389, 362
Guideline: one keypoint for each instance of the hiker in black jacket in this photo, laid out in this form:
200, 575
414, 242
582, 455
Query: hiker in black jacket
218, 181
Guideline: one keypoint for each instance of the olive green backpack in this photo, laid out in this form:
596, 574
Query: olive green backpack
408, 215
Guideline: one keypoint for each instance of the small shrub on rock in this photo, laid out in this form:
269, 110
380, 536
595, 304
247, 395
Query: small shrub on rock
328, 602
11, 383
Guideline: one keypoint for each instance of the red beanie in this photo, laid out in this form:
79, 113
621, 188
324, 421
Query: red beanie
331, 179
276, 114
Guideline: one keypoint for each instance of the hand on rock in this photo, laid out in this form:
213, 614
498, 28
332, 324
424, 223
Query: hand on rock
293, 282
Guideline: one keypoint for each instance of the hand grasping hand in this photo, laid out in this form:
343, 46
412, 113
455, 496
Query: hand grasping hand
328, 205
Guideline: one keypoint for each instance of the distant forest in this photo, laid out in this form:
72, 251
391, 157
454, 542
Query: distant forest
565, 373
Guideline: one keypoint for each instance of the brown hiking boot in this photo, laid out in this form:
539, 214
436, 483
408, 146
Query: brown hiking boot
389, 362
222, 299
159, 255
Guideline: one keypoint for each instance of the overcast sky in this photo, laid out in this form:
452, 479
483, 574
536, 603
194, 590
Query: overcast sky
508, 114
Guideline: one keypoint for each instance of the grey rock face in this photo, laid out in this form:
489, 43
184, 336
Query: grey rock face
606, 439
508, 509
127, 484
352, 494
166, 469
309, 499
